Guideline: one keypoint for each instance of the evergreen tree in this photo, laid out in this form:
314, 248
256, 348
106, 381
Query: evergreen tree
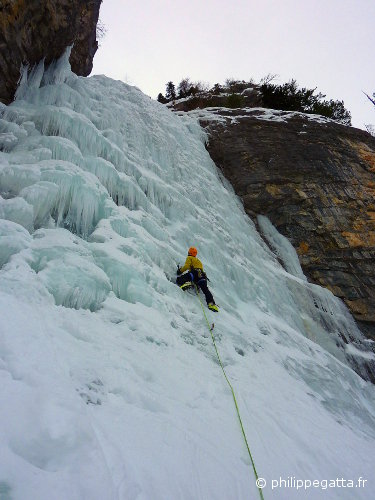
217, 89
289, 97
162, 99
334, 110
170, 91
235, 101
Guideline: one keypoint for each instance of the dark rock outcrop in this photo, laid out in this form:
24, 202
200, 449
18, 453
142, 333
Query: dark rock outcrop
31, 30
315, 180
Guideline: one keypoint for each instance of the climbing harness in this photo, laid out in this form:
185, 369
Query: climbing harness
232, 391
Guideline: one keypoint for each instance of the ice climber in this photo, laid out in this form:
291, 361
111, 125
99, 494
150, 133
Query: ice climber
195, 275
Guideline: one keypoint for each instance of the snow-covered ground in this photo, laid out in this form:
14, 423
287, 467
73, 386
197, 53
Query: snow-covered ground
110, 386
265, 114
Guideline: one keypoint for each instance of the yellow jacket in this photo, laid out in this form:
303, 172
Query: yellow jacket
191, 263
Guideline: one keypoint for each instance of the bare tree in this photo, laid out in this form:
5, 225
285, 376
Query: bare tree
369, 98
184, 87
202, 86
268, 79
370, 128
101, 31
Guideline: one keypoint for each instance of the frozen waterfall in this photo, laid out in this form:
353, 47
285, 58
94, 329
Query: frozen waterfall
110, 385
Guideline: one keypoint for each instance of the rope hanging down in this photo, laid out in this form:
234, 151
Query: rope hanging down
233, 394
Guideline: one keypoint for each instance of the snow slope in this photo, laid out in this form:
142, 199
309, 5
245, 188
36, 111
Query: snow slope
110, 387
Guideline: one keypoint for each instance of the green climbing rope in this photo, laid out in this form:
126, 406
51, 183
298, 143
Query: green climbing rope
233, 394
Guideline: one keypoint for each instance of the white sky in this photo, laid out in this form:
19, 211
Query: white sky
328, 44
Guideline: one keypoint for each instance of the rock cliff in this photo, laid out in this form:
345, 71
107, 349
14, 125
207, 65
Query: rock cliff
315, 180
36, 29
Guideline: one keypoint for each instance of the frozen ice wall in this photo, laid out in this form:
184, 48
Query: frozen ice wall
111, 385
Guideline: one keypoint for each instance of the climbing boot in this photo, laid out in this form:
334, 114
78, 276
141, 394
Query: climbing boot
213, 307
186, 285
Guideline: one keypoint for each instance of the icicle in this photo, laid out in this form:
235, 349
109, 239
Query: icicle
59, 71
281, 246
30, 79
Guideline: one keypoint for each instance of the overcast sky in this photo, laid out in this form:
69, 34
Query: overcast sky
328, 44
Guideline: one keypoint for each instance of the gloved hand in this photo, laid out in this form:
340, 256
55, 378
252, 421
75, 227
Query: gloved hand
178, 271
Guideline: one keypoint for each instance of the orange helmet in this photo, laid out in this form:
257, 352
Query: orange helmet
193, 251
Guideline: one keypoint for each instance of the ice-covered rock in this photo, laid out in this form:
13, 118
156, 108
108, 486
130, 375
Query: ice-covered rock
13, 239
